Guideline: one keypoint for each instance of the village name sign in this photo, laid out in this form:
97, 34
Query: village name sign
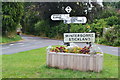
79, 37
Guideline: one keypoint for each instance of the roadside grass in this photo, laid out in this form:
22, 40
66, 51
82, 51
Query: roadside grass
8, 40
32, 64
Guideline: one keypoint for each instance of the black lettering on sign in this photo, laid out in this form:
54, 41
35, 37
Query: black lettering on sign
66, 35
79, 39
69, 39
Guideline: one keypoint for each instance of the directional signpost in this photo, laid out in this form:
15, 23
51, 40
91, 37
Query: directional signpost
75, 20
60, 16
78, 20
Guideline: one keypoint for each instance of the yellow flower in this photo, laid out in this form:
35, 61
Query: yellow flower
88, 26
74, 50
66, 50
80, 48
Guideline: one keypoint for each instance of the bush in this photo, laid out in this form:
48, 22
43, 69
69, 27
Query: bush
62, 28
75, 28
57, 31
112, 33
113, 20
42, 28
79, 28
19, 26
98, 26
101, 40
108, 13
112, 37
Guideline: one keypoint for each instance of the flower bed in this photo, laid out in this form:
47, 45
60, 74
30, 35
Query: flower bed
75, 58
75, 50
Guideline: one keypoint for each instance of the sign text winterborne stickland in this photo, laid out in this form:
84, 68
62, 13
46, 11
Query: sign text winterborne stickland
79, 37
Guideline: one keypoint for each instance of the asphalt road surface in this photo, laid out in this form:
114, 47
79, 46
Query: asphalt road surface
30, 43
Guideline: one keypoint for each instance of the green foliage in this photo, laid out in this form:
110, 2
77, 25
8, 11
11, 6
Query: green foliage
42, 28
111, 37
108, 13
29, 21
98, 26
58, 30
8, 25
77, 28
113, 20
12, 13
118, 5
19, 26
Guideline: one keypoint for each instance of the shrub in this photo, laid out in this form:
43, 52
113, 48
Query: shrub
79, 28
62, 28
98, 26
112, 37
57, 31
108, 13
75, 28
42, 28
112, 33
113, 20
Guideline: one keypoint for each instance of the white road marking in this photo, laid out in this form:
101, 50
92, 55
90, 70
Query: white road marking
115, 50
113, 47
20, 43
6, 48
11, 44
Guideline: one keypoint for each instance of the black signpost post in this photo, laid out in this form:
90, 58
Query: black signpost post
68, 28
68, 44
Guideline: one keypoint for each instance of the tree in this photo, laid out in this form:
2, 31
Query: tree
12, 13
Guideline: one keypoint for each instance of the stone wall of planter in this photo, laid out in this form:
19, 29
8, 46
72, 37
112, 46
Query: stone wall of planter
81, 62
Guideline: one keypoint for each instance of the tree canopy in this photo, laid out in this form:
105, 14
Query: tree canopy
12, 13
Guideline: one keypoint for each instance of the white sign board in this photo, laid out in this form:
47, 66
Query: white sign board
59, 16
75, 20
79, 37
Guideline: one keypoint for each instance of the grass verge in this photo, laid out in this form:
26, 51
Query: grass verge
32, 64
8, 40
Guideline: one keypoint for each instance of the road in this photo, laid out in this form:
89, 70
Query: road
30, 43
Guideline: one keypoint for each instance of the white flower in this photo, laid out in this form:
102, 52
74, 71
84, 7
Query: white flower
48, 48
73, 45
